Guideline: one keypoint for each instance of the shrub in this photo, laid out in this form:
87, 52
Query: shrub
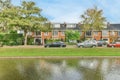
12, 39
30, 41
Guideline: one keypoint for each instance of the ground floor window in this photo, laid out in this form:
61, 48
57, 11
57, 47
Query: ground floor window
112, 32
88, 33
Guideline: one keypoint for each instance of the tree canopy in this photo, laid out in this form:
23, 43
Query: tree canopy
92, 19
26, 17
5, 4
72, 35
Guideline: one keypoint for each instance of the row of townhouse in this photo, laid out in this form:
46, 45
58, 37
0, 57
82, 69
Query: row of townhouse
109, 33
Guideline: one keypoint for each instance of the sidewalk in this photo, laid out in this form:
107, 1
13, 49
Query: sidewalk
28, 46
35, 46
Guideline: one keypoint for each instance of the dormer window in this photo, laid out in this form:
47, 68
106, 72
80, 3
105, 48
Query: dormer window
56, 25
71, 25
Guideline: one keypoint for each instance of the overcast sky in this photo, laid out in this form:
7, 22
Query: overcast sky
70, 10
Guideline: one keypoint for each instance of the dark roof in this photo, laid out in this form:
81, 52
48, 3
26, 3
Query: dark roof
77, 27
113, 27
63, 27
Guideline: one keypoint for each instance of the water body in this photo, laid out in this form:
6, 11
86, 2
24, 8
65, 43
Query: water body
60, 69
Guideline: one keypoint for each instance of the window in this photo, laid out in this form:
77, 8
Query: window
118, 33
46, 33
63, 33
55, 33
95, 32
88, 33
56, 25
38, 33
104, 33
71, 25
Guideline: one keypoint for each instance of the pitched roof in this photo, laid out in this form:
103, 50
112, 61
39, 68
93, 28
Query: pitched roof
113, 27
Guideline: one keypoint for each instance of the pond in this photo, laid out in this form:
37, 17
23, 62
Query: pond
60, 69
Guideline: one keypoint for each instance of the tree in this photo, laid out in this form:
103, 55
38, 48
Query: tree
26, 17
4, 4
93, 19
72, 35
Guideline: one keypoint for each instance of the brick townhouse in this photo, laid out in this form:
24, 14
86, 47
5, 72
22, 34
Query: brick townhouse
109, 33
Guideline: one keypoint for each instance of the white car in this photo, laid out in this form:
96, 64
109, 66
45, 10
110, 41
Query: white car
87, 43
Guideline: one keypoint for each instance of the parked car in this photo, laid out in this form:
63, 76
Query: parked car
88, 43
56, 44
101, 43
114, 44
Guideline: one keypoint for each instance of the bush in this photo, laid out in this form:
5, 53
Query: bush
30, 41
72, 35
71, 43
12, 39
11, 43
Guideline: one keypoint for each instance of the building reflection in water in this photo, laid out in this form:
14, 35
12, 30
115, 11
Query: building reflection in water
71, 69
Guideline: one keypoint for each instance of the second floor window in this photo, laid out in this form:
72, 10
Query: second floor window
112, 33
63, 33
118, 33
46, 33
55, 33
38, 33
104, 33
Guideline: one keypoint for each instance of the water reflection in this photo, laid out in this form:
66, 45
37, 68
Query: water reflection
71, 69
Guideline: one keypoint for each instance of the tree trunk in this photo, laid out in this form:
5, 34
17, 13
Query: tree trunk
25, 38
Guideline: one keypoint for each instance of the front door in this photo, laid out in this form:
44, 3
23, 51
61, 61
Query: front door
38, 41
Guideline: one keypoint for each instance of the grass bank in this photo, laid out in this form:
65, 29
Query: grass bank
8, 52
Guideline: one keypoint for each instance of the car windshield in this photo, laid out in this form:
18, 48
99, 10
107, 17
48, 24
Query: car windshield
60, 42
54, 43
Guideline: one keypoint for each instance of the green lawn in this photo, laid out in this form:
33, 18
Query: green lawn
59, 51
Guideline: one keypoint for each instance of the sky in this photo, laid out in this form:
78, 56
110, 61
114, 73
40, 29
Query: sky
69, 11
